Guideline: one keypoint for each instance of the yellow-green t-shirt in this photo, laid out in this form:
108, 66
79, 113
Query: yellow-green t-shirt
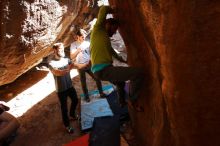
101, 50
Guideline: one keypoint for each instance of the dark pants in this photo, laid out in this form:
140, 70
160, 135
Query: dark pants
71, 92
118, 75
82, 74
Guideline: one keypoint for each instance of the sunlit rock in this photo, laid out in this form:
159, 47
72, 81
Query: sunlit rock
30, 27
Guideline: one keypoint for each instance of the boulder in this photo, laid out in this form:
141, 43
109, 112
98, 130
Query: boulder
176, 42
30, 27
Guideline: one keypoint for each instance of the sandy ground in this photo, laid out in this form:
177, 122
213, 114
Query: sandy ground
34, 102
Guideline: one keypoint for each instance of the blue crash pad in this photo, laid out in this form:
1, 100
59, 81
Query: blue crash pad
95, 108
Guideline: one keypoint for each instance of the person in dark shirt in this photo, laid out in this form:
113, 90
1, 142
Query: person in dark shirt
60, 67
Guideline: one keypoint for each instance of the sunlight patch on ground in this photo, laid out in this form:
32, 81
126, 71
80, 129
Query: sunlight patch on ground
31, 96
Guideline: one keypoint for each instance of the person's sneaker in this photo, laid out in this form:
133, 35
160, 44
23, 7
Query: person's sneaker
70, 129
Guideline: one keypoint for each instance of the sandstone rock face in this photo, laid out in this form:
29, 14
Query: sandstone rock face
177, 43
30, 27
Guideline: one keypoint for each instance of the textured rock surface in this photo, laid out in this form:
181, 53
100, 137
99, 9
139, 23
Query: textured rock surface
175, 41
29, 27
177, 44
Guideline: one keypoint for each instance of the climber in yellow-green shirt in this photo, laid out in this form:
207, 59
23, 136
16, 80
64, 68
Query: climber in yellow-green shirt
101, 59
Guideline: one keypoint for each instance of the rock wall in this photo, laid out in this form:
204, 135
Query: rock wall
177, 43
30, 27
